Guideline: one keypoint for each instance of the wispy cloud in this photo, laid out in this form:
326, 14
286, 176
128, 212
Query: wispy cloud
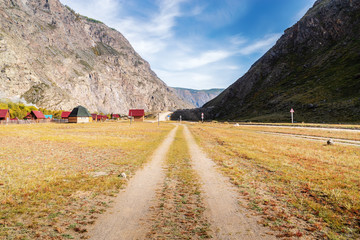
189, 43
191, 62
260, 45
302, 12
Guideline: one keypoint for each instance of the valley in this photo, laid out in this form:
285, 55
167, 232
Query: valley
63, 181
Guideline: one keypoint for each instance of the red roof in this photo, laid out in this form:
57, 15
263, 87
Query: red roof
102, 117
94, 115
115, 115
27, 116
136, 112
65, 114
3, 113
39, 115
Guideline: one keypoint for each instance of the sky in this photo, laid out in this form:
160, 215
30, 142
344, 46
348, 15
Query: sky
198, 44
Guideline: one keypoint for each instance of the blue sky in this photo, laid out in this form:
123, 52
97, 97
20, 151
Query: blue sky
197, 44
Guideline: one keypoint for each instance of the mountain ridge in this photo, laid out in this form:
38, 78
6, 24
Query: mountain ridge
55, 58
197, 97
313, 68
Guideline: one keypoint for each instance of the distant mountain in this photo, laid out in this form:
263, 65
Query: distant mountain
313, 68
55, 58
197, 97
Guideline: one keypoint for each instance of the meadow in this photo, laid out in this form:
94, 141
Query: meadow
55, 178
301, 188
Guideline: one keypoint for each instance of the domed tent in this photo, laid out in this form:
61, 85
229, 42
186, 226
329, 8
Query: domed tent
80, 115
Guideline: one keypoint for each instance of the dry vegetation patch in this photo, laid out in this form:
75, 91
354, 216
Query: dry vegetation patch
302, 188
55, 178
179, 210
346, 134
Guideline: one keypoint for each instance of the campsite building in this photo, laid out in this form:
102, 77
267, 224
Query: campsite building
4, 115
80, 115
137, 114
102, 118
35, 115
94, 117
115, 116
65, 115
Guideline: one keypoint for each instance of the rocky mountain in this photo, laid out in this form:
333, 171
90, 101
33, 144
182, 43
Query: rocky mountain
197, 97
55, 58
314, 68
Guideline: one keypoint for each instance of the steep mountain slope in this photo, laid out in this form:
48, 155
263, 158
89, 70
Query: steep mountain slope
57, 59
197, 97
314, 68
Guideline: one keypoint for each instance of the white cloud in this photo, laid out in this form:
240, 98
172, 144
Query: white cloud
194, 61
260, 45
191, 62
302, 12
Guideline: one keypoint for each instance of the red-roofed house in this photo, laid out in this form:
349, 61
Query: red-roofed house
65, 115
94, 116
101, 117
35, 115
137, 114
115, 116
4, 114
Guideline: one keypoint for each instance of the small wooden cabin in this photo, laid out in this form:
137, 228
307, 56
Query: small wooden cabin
80, 115
115, 116
4, 115
94, 117
137, 114
102, 118
35, 115
65, 115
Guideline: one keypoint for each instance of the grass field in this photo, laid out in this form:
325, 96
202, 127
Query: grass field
55, 178
301, 188
321, 132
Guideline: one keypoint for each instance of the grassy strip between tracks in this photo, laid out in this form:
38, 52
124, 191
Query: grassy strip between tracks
178, 213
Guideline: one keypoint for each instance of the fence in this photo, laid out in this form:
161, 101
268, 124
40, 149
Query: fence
11, 122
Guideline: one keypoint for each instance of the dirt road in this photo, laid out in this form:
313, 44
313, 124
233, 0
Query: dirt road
316, 138
123, 221
227, 218
130, 217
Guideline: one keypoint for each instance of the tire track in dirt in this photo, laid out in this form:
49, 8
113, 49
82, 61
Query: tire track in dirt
315, 138
123, 220
227, 218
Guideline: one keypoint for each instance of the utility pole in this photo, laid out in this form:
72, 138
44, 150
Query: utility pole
292, 115
180, 118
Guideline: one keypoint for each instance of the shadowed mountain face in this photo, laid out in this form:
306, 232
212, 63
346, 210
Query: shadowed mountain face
58, 59
197, 97
314, 68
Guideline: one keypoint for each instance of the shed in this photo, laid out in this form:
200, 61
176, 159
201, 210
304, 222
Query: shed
137, 114
35, 115
80, 115
101, 117
49, 116
4, 114
115, 116
65, 115
94, 116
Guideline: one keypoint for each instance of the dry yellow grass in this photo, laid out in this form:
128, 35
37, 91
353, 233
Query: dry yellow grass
54, 178
328, 133
302, 187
